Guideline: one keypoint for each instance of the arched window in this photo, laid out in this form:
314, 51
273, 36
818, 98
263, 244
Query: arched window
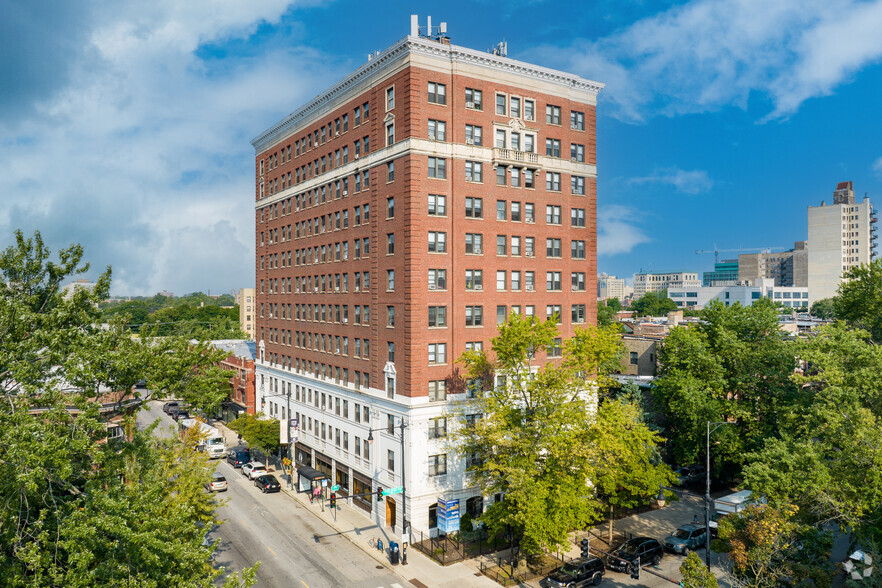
475, 506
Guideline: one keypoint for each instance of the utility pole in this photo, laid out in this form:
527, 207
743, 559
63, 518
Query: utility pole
707, 496
404, 530
290, 441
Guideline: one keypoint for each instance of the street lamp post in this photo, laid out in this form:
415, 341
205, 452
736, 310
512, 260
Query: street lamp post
290, 442
707, 496
404, 530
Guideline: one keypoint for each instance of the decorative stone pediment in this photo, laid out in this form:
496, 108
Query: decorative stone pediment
516, 125
389, 118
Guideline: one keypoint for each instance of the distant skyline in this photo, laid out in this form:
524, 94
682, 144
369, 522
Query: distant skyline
125, 126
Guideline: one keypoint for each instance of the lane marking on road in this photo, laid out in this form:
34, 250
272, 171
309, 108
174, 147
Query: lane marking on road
243, 522
271, 551
304, 583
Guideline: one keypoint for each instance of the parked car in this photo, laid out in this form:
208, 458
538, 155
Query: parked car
180, 414
647, 549
574, 574
686, 537
253, 469
714, 522
238, 456
217, 483
166, 408
687, 475
267, 483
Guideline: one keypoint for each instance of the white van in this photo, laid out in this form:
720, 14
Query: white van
211, 440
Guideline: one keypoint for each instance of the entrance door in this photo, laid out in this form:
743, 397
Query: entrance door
390, 512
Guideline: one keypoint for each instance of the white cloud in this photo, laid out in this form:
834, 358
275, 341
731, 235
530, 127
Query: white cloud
688, 182
143, 156
616, 231
877, 166
708, 54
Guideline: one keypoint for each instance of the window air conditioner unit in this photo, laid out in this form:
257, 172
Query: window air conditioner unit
479, 287
529, 288
574, 127
476, 250
356, 156
529, 254
468, 177
432, 286
337, 134
470, 141
345, 192
470, 104
573, 159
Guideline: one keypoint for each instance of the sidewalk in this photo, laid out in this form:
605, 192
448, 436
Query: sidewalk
349, 521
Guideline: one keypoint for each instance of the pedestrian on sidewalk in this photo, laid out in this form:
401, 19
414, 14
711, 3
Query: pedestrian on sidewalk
695, 520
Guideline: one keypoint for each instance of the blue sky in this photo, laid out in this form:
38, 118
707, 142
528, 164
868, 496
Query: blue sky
125, 125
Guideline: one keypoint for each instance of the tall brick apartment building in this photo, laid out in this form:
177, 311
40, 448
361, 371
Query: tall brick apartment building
399, 216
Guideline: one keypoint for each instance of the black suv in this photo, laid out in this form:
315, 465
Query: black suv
648, 550
579, 572
238, 456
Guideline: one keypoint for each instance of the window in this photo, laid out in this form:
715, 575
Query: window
390, 460
552, 181
578, 280
500, 104
577, 217
529, 144
577, 121
529, 246
577, 185
473, 243
437, 316
474, 99
438, 465
390, 351
437, 390
515, 280
474, 171
500, 280
516, 211
474, 280
515, 177
556, 349
473, 207
474, 316
501, 245
577, 152
529, 212
437, 167
390, 316
577, 249
437, 353
390, 98
474, 345
390, 243
529, 110
500, 175
501, 210
437, 279
552, 147
437, 93
437, 130
474, 135
390, 134
552, 214
552, 247
437, 205
390, 207
390, 280
437, 427
552, 311
633, 358
552, 114
578, 314
552, 281
437, 242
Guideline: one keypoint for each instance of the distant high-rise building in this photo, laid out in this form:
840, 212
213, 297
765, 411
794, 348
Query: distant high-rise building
246, 299
725, 273
401, 215
610, 287
840, 237
786, 268
653, 282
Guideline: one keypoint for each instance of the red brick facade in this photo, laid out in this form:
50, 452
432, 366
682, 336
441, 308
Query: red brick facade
302, 325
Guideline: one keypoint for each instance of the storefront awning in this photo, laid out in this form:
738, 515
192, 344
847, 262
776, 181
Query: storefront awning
311, 474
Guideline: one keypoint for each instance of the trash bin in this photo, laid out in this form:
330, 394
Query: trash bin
394, 553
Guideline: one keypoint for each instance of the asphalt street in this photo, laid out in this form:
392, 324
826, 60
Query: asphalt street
294, 547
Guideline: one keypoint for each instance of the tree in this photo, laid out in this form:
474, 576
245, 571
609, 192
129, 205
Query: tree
606, 311
534, 441
860, 298
654, 304
695, 574
261, 433
823, 309
83, 509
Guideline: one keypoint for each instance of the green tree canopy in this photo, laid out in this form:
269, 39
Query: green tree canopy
654, 304
859, 302
262, 433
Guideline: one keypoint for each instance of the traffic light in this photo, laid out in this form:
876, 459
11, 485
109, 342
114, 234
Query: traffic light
635, 569
333, 500
379, 494
584, 546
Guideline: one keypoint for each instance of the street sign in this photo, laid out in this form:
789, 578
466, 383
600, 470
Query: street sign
335, 487
389, 491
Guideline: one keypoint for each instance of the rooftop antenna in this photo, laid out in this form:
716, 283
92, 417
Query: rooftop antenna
438, 33
501, 49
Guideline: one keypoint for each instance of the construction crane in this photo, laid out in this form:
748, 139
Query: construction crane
716, 251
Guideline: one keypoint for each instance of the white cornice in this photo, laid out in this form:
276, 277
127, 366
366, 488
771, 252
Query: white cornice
391, 58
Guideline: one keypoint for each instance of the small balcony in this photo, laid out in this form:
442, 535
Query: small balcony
514, 156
